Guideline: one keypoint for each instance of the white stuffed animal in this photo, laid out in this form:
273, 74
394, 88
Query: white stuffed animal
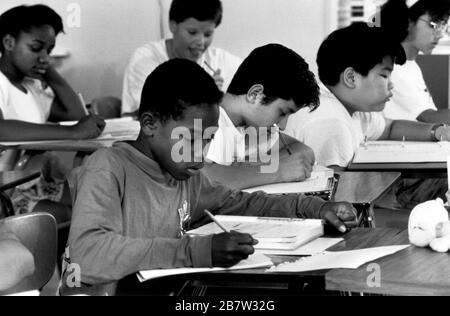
429, 225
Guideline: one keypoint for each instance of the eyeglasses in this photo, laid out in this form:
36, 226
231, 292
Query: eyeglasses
438, 28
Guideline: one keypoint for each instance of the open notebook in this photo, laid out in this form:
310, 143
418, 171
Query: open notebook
402, 152
323, 183
271, 232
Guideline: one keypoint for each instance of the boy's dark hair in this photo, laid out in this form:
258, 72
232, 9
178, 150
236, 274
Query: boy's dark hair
201, 10
358, 46
23, 18
283, 73
176, 85
395, 15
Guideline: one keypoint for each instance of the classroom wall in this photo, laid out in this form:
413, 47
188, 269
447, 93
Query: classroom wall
298, 24
111, 30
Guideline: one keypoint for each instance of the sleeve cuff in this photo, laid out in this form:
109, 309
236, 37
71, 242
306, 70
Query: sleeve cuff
201, 251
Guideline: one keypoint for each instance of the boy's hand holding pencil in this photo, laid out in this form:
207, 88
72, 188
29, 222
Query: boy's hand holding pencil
217, 75
229, 248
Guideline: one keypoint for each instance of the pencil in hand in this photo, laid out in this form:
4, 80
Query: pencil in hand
216, 221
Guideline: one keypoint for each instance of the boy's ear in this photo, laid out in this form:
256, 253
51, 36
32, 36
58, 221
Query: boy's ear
149, 124
349, 77
173, 26
255, 94
8, 42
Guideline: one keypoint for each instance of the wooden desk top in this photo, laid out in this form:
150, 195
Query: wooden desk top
11, 179
413, 271
364, 187
87, 146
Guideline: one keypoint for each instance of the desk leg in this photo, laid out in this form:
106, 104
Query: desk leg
6, 206
371, 216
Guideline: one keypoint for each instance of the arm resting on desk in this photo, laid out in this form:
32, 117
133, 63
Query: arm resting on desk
412, 131
433, 116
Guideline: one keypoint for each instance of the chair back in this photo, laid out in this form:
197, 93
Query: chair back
38, 233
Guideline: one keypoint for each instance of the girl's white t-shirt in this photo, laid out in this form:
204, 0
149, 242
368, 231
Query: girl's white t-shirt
33, 106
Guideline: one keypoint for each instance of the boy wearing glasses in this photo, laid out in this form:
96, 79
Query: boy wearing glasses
419, 29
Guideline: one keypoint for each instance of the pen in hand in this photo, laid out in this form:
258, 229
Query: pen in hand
283, 141
216, 221
210, 67
83, 103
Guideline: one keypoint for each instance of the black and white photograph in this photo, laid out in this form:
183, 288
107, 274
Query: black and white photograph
224, 156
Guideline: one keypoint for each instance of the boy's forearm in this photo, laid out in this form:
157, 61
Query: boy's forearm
109, 257
441, 116
261, 204
410, 131
240, 176
11, 130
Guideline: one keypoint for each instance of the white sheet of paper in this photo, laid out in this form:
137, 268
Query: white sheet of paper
319, 181
338, 260
257, 260
314, 247
399, 152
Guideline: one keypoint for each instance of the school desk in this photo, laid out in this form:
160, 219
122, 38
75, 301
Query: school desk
408, 170
413, 271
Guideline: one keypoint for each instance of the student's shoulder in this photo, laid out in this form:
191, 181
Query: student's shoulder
107, 159
153, 51
215, 53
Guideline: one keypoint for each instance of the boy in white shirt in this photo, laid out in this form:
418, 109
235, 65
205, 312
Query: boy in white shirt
192, 23
246, 151
355, 66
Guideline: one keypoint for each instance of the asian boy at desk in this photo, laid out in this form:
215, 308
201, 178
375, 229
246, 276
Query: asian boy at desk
355, 66
246, 151
133, 202
16, 261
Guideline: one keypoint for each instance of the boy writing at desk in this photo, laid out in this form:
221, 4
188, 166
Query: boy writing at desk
271, 83
355, 66
133, 202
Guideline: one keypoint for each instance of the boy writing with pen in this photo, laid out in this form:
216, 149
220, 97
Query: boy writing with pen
192, 24
134, 202
272, 83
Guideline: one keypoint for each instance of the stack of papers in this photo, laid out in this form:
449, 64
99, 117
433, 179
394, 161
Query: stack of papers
271, 232
338, 260
321, 180
402, 152
257, 260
